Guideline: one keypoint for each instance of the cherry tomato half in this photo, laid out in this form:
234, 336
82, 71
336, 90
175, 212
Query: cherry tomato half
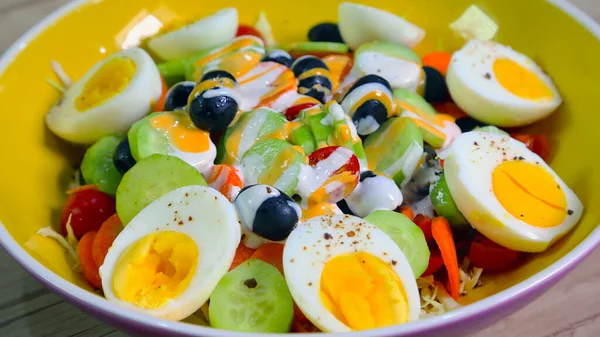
539, 144
424, 222
435, 263
341, 182
248, 30
292, 112
486, 254
90, 208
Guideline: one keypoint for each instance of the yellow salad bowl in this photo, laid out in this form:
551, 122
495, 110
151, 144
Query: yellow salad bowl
37, 165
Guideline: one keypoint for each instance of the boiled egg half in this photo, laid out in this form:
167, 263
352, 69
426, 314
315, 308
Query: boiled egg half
345, 274
498, 85
108, 99
170, 257
508, 193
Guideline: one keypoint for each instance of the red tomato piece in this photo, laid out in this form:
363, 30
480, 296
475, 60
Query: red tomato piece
105, 237
541, 146
271, 253
486, 254
242, 253
341, 182
424, 222
89, 209
449, 108
440, 61
248, 30
292, 112
435, 263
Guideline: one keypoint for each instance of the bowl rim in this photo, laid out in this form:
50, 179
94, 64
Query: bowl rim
487, 306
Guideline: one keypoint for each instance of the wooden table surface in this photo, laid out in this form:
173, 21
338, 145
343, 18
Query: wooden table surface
571, 309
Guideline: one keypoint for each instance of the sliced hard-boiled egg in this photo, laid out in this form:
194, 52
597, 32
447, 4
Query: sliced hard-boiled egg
108, 99
498, 85
345, 274
204, 34
360, 24
509, 193
170, 257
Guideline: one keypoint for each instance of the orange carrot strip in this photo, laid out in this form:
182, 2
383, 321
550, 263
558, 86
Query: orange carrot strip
107, 234
442, 234
407, 211
88, 266
242, 253
160, 104
82, 188
271, 253
438, 60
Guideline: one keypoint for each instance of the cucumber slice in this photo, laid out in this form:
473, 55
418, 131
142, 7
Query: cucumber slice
444, 204
98, 168
150, 179
408, 236
303, 137
253, 297
316, 47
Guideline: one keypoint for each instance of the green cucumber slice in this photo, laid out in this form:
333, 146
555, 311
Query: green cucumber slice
253, 297
408, 236
303, 137
444, 204
97, 166
150, 179
317, 47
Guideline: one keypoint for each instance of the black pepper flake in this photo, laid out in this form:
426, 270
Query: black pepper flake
570, 212
187, 194
394, 262
215, 197
327, 236
521, 158
475, 143
180, 223
170, 204
269, 190
363, 261
350, 234
522, 215
304, 248
515, 158
488, 76
310, 284
190, 218
251, 283
354, 242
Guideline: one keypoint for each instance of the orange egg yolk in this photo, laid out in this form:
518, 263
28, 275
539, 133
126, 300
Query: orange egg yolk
530, 193
520, 81
363, 292
111, 79
155, 269
181, 132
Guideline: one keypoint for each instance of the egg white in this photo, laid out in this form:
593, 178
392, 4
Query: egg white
117, 114
307, 251
203, 214
468, 168
475, 89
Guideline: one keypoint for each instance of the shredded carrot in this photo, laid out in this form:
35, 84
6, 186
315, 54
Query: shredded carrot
88, 266
407, 211
242, 253
438, 60
160, 105
82, 188
107, 234
271, 253
442, 234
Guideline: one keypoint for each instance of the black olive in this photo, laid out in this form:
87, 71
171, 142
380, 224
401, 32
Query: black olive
212, 114
279, 56
366, 174
217, 74
318, 87
467, 124
274, 219
436, 90
371, 108
343, 206
123, 159
306, 63
369, 79
177, 96
325, 32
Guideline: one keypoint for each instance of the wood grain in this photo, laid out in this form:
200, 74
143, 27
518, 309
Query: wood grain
27, 308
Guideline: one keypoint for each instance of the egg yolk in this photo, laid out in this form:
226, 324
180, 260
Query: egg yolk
155, 269
109, 80
530, 193
520, 81
363, 292
181, 132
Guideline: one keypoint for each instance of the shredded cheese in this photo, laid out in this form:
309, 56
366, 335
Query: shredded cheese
69, 244
61, 74
430, 303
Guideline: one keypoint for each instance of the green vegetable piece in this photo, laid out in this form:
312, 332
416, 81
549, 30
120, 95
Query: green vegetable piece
389, 49
303, 137
316, 47
408, 236
444, 204
97, 166
251, 127
411, 105
150, 179
253, 297
273, 162
395, 149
